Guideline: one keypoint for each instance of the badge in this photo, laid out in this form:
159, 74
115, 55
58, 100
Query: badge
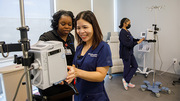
68, 51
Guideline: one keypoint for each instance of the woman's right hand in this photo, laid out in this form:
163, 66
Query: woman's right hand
71, 74
140, 40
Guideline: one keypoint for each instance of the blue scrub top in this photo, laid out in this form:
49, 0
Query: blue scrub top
131, 49
127, 43
99, 57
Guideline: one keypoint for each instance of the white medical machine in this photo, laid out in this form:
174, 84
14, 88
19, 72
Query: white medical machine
145, 48
49, 65
148, 35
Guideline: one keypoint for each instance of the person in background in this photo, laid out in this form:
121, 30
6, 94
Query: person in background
91, 61
62, 24
127, 43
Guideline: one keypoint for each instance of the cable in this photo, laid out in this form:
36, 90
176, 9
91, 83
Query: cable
35, 77
167, 69
159, 54
167, 82
20, 83
174, 69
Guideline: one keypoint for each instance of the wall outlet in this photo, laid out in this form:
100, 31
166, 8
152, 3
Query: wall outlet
174, 60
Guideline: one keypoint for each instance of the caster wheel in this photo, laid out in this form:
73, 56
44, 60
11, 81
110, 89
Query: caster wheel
169, 91
110, 77
173, 83
145, 76
157, 95
160, 85
143, 89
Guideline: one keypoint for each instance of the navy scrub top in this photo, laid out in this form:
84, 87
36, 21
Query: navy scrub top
127, 43
99, 57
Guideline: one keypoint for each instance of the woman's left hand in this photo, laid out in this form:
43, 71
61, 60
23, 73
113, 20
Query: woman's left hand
71, 74
61, 83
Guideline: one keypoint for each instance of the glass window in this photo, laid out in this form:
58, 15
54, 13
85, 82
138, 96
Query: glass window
37, 17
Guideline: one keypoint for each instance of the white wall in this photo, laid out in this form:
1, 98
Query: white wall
167, 19
103, 9
73, 5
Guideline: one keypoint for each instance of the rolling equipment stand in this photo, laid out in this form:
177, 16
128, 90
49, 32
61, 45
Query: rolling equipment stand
156, 87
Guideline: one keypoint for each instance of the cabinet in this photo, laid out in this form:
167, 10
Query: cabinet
9, 79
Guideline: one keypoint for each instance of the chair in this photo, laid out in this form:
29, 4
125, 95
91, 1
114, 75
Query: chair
117, 62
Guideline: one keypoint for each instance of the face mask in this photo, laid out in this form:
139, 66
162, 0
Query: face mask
128, 26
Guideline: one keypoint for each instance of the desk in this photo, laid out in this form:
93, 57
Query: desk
10, 76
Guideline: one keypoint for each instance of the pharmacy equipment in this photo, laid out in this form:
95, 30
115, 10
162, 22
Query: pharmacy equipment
148, 35
145, 48
156, 86
50, 67
47, 65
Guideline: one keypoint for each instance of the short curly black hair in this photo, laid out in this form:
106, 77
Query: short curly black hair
57, 16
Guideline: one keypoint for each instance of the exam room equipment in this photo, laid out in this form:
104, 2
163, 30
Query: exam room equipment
49, 65
156, 87
145, 48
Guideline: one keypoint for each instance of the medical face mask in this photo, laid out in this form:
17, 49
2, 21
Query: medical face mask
128, 26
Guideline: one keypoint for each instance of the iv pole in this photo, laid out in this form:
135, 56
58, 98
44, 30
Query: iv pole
155, 33
156, 87
25, 47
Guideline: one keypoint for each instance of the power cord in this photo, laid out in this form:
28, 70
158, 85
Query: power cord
159, 53
167, 82
166, 70
20, 83
162, 64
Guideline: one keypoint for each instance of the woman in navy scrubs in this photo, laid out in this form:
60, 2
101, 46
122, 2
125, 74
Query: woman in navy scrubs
91, 61
127, 43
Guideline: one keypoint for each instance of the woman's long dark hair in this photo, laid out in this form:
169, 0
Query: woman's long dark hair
97, 34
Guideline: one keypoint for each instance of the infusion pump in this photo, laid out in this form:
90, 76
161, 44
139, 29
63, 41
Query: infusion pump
148, 35
49, 65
